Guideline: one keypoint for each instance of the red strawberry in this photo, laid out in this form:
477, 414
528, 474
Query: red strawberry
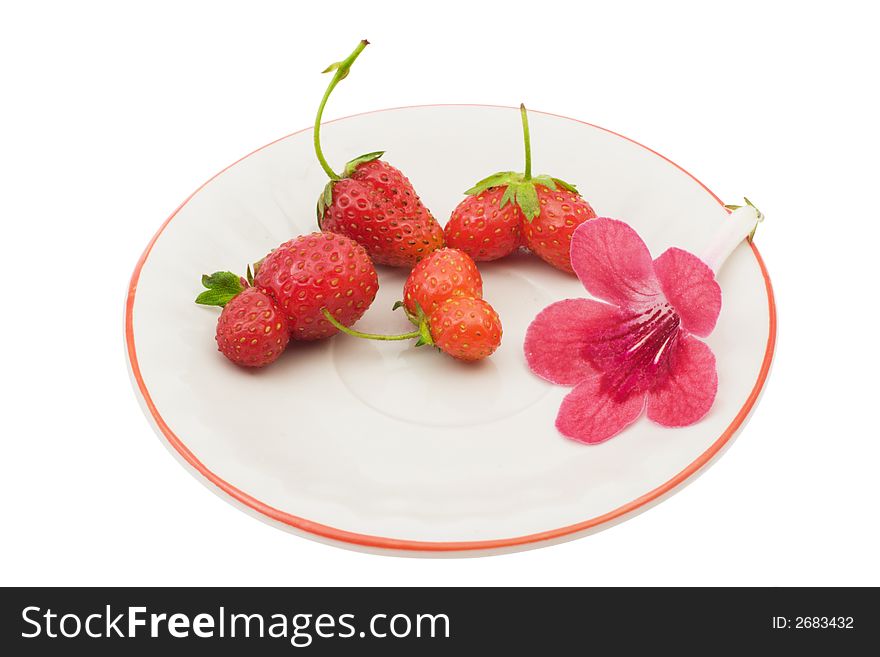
252, 331
483, 228
372, 202
443, 274
465, 328
548, 211
317, 271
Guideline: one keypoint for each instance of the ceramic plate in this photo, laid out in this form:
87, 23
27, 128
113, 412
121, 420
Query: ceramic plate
388, 447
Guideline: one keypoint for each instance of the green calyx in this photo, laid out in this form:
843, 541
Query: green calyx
751, 205
420, 319
222, 287
340, 71
351, 165
520, 190
326, 197
521, 186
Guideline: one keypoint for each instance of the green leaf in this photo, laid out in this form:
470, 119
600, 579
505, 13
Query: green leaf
495, 180
752, 205
546, 181
507, 197
527, 200
566, 185
397, 304
222, 286
351, 165
342, 67
760, 214
732, 206
420, 319
324, 201
424, 334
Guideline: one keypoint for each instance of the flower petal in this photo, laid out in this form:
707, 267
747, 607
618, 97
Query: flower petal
613, 262
690, 286
554, 344
687, 393
589, 415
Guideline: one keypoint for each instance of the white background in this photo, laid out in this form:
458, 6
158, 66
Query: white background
112, 114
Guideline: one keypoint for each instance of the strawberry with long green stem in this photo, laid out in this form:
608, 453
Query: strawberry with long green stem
372, 202
442, 297
509, 209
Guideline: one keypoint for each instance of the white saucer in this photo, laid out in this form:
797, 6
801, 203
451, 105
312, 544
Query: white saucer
387, 447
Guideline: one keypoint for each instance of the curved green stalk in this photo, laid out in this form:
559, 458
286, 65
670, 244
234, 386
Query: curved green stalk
369, 336
341, 70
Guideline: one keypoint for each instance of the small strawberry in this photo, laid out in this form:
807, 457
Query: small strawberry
251, 331
372, 202
548, 211
443, 274
484, 228
317, 271
464, 327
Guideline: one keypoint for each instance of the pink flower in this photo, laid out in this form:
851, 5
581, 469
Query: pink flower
637, 350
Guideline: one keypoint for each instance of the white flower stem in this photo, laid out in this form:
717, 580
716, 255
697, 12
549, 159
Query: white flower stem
737, 227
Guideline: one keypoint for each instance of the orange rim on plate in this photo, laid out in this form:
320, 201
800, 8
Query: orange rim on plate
383, 542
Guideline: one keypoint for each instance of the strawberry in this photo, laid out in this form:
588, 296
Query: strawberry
442, 274
547, 210
372, 202
251, 331
464, 327
484, 228
314, 272
549, 234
